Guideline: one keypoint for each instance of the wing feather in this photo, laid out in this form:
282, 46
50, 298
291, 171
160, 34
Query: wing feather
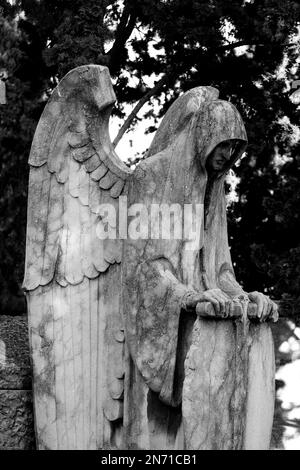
37, 215
74, 178
76, 320
64, 296
42, 338
117, 188
73, 272
108, 180
99, 172
87, 265
99, 261
72, 276
94, 295
79, 140
114, 167
84, 184
54, 225
94, 197
86, 356
92, 163
59, 366
114, 387
58, 146
84, 153
112, 251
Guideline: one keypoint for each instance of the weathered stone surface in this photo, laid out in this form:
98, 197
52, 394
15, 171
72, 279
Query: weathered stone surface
72, 276
16, 411
16, 420
109, 341
200, 404
15, 370
229, 390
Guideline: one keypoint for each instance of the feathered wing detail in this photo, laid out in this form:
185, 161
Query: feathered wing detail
72, 276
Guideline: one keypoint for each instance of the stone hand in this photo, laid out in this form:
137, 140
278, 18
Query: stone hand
220, 301
266, 308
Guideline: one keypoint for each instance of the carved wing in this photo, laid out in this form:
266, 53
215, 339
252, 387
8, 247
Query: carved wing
72, 278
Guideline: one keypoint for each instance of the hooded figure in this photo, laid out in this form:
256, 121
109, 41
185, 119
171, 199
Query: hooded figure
178, 393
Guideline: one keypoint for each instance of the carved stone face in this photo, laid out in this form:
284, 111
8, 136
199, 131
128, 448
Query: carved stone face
220, 156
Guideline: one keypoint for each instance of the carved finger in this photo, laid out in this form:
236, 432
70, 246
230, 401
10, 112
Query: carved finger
265, 311
227, 309
229, 306
260, 306
275, 313
270, 309
216, 305
218, 295
219, 299
231, 309
222, 307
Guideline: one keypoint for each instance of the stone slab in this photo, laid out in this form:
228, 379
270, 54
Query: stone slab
16, 420
15, 370
16, 408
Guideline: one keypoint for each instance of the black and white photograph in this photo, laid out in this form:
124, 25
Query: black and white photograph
149, 228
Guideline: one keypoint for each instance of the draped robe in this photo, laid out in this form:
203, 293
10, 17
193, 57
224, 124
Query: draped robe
170, 402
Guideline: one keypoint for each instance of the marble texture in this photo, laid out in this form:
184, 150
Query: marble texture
119, 361
16, 410
193, 377
72, 276
229, 389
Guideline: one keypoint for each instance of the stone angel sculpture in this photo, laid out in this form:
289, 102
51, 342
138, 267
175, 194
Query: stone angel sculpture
140, 341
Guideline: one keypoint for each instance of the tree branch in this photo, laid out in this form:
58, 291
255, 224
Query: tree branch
234, 45
124, 30
153, 91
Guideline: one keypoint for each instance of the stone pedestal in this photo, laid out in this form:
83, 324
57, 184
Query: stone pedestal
229, 387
